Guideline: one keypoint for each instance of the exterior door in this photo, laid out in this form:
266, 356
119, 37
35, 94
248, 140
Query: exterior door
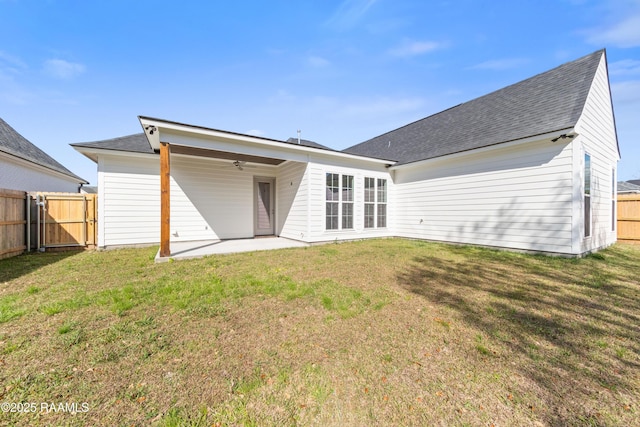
264, 207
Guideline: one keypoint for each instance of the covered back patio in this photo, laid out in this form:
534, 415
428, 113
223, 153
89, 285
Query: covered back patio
222, 192
198, 249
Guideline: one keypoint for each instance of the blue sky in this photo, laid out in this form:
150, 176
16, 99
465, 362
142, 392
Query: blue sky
340, 71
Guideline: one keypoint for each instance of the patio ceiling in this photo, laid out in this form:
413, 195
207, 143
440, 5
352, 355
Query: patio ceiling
227, 155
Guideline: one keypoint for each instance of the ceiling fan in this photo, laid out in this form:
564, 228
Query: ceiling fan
241, 164
238, 164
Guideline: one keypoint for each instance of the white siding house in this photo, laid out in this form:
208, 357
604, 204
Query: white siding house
25, 167
517, 196
128, 200
529, 167
596, 139
213, 199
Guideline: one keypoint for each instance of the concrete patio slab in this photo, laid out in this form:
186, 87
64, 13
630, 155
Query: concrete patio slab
188, 250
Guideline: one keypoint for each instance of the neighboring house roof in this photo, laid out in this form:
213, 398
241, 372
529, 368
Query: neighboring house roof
12, 143
634, 181
89, 189
136, 143
628, 187
307, 143
548, 102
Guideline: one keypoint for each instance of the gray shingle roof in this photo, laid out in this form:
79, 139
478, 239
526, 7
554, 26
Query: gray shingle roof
547, 102
136, 143
628, 187
634, 181
11, 142
90, 189
308, 143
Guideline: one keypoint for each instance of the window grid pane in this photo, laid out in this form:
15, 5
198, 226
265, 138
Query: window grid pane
587, 195
587, 174
382, 215
333, 190
369, 190
347, 216
347, 188
369, 217
332, 215
382, 190
587, 216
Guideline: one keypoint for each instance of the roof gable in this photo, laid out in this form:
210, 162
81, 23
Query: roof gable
136, 143
307, 143
628, 187
11, 142
548, 102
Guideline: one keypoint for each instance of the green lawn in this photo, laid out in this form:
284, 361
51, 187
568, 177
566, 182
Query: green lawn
378, 332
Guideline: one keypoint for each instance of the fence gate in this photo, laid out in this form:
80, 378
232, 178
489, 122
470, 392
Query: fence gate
629, 217
13, 221
64, 220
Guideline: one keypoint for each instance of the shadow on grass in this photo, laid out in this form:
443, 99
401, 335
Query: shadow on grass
581, 317
15, 267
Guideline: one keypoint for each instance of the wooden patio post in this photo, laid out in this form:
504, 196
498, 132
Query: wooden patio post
165, 200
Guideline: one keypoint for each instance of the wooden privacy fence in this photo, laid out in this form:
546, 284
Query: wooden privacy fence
64, 220
13, 222
629, 217
45, 221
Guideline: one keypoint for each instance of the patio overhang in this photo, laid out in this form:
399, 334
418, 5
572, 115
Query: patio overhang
172, 138
225, 155
219, 141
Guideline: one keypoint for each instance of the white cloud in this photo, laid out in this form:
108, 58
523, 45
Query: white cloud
349, 13
317, 61
624, 34
380, 107
61, 69
624, 67
414, 48
282, 96
11, 63
13, 93
500, 64
275, 51
255, 132
368, 108
626, 92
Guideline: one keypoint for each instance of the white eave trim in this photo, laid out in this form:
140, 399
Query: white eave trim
41, 168
547, 136
93, 153
154, 140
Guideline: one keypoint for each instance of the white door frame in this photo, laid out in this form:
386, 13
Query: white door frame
271, 230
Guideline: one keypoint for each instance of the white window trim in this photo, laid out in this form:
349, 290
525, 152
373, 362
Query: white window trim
340, 202
584, 195
375, 203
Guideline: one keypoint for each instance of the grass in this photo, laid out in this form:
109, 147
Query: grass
383, 332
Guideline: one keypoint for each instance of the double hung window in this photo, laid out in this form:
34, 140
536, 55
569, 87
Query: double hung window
339, 202
375, 203
587, 195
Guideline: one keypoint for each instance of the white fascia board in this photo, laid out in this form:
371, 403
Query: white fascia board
196, 136
39, 168
93, 153
547, 136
